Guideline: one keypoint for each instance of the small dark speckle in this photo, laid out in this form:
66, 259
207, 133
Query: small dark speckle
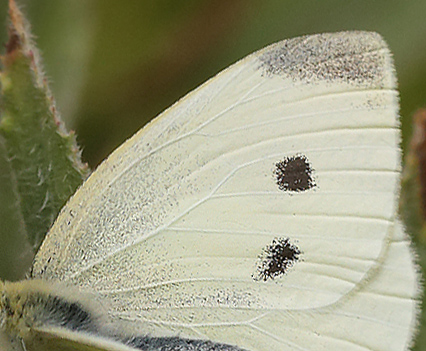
294, 173
276, 259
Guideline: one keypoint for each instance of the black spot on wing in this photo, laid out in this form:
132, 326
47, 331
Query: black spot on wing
147, 343
294, 174
276, 259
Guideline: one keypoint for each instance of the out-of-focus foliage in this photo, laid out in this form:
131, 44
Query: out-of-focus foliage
114, 65
40, 161
412, 206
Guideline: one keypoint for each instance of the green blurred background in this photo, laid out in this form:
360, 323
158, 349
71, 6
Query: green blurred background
114, 65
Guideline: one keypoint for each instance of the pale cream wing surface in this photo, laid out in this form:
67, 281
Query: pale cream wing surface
258, 205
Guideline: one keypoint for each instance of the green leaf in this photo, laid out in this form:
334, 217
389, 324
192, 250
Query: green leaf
41, 162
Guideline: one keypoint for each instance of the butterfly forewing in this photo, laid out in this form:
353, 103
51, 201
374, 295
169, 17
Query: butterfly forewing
265, 197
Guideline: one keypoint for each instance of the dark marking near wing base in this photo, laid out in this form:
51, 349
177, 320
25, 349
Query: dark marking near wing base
177, 344
294, 174
56, 311
276, 259
69, 315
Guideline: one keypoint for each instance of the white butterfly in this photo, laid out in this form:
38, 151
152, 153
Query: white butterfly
258, 213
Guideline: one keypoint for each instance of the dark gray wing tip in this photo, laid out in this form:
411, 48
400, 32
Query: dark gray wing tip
360, 58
